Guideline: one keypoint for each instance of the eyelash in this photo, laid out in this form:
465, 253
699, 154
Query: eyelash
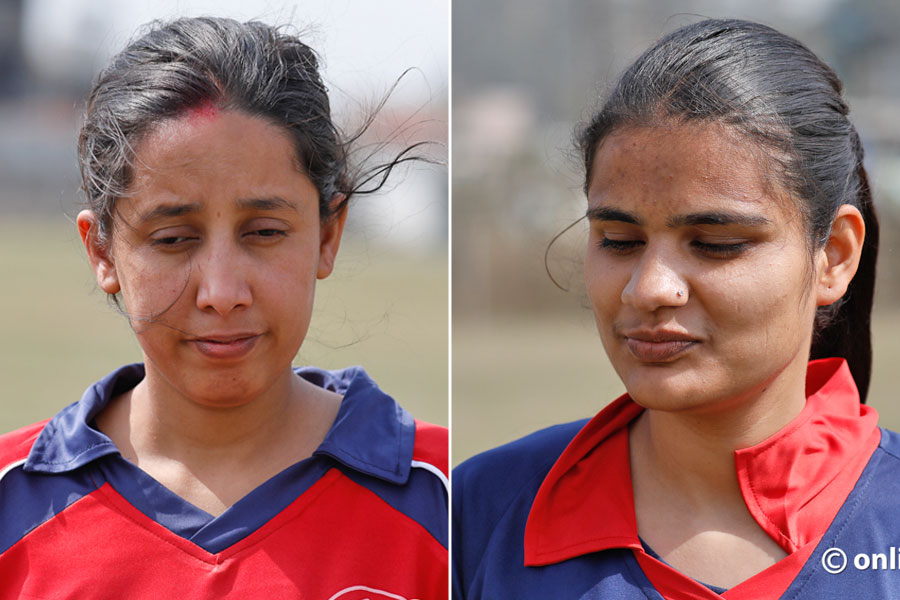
623, 247
172, 240
618, 246
177, 240
721, 250
268, 232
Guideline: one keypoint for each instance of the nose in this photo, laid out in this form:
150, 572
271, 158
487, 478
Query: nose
656, 282
223, 284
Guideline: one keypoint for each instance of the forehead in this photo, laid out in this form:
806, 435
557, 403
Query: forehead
203, 146
213, 160
205, 135
676, 165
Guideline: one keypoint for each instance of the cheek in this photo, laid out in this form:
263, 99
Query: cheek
283, 300
756, 307
594, 272
604, 282
150, 289
287, 282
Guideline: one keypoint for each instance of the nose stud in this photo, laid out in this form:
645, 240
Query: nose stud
680, 293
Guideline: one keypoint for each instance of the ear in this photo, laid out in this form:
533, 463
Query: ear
330, 238
839, 258
98, 253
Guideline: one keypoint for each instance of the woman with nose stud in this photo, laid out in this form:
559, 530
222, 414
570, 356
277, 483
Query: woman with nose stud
730, 266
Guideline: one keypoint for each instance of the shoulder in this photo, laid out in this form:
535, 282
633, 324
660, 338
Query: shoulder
878, 487
517, 462
890, 443
430, 448
15, 445
864, 531
492, 495
884, 465
488, 484
382, 448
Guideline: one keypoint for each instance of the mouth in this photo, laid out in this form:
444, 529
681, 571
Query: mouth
658, 346
227, 346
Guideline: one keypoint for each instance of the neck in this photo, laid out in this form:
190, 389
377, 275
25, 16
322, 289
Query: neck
691, 453
155, 420
213, 456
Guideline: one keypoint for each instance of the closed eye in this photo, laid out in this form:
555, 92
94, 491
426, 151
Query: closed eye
722, 250
269, 232
620, 246
173, 240
266, 234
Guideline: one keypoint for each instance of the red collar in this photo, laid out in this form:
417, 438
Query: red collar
794, 483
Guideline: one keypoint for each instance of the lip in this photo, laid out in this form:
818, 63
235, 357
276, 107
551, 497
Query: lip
658, 346
226, 346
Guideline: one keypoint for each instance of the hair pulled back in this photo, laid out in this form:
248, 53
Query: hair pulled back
187, 63
776, 93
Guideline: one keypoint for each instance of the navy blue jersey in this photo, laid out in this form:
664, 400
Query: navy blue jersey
365, 516
547, 516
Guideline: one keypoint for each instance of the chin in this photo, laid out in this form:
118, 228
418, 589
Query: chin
223, 392
664, 387
661, 399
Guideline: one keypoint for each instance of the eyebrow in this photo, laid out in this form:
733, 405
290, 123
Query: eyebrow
179, 210
170, 210
603, 213
273, 203
718, 218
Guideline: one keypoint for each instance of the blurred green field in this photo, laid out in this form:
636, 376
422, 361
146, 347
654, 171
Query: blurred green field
385, 310
514, 376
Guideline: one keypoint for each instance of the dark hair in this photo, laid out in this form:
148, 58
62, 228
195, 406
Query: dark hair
250, 67
774, 91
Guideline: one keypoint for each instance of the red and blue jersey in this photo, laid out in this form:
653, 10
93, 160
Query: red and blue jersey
552, 515
364, 517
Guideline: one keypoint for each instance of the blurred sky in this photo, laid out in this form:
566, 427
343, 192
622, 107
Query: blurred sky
364, 43
364, 48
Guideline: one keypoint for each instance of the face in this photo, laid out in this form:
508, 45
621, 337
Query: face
697, 268
216, 255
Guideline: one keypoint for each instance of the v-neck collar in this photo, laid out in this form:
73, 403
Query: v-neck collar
371, 435
794, 483
69, 441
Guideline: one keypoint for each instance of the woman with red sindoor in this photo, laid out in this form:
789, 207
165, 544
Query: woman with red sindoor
217, 189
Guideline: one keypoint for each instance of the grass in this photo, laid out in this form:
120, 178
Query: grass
514, 376
386, 310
